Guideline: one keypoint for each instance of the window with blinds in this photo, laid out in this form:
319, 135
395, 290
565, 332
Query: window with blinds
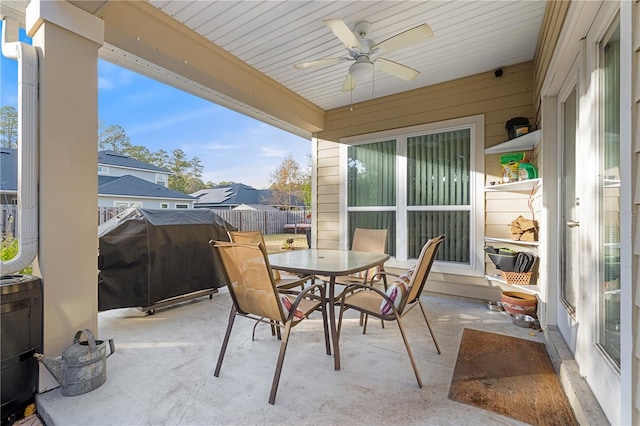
438, 196
417, 185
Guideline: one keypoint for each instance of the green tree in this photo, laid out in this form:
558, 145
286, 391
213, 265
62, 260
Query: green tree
179, 165
8, 127
193, 185
286, 183
305, 185
160, 158
139, 152
196, 168
113, 137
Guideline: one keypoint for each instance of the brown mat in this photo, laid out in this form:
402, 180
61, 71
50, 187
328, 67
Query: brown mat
510, 376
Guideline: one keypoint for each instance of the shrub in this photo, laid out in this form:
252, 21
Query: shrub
9, 250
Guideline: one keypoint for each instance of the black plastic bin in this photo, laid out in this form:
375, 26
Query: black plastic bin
21, 322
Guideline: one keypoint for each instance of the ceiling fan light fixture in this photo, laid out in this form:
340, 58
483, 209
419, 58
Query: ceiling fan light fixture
361, 70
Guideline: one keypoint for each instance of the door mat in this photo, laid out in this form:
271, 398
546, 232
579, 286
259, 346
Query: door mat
509, 376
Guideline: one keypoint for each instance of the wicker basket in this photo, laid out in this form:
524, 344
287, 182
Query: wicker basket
522, 278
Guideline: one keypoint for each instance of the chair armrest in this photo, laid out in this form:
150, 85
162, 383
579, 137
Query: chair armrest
308, 293
352, 288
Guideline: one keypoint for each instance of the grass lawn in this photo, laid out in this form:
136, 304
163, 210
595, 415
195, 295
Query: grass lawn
275, 242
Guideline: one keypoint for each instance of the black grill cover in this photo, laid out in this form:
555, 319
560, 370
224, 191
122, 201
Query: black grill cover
146, 256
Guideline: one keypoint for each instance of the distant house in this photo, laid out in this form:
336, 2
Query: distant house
256, 207
230, 196
126, 182
122, 181
233, 196
8, 176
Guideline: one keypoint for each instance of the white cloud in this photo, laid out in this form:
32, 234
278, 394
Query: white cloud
270, 151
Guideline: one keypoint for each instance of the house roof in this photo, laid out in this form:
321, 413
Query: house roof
132, 186
235, 195
260, 207
8, 170
232, 195
112, 158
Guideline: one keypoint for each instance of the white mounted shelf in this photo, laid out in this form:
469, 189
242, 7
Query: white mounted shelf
522, 143
510, 241
521, 185
532, 288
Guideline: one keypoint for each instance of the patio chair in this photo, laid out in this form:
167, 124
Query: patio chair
372, 241
255, 296
257, 237
399, 299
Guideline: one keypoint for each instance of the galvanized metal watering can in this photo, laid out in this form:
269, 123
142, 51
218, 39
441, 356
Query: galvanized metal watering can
82, 366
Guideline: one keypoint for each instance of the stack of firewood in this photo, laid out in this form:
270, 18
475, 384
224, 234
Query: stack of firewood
522, 229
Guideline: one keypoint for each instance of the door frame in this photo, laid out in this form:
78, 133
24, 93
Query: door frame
584, 27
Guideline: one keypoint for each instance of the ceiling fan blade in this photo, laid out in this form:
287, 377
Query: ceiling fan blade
319, 63
396, 69
349, 83
405, 39
346, 36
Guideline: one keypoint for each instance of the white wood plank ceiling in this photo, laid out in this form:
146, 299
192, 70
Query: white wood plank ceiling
469, 37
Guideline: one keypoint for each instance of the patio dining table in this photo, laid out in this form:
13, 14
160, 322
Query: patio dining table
331, 263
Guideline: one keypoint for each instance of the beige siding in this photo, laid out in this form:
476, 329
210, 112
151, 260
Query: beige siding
551, 25
499, 99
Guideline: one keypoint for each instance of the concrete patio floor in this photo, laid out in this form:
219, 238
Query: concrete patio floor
162, 371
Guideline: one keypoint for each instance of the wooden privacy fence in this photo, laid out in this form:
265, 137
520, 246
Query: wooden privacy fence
268, 222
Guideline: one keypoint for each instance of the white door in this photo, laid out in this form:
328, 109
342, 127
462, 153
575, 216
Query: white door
569, 211
588, 309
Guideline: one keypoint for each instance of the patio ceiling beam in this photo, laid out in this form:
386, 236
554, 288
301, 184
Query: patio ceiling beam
149, 34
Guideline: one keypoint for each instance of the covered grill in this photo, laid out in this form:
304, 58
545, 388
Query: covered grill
151, 258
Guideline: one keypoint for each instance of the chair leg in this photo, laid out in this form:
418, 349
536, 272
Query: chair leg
283, 350
433, 336
340, 320
406, 344
232, 318
325, 324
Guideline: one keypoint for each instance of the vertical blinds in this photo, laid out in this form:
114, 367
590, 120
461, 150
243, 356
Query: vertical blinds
438, 168
371, 174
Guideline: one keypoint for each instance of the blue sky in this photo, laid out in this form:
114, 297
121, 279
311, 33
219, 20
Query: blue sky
231, 146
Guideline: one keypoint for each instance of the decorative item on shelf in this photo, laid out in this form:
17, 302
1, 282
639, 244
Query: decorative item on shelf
510, 164
517, 126
527, 171
503, 258
519, 303
522, 229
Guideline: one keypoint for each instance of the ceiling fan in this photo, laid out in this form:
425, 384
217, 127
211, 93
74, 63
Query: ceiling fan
365, 52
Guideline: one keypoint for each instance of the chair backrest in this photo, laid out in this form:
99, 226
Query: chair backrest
423, 267
250, 281
251, 237
370, 240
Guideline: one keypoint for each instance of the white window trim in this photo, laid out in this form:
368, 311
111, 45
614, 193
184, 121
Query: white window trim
179, 205
103, 170
162, 179
164, 205
476, 125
